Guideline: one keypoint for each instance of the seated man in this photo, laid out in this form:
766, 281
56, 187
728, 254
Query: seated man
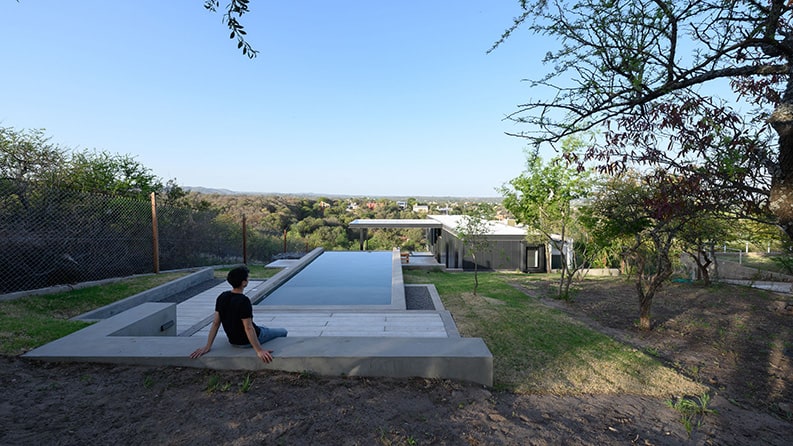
234, 310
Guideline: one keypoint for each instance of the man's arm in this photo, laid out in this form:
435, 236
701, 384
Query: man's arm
264, 355
213, 331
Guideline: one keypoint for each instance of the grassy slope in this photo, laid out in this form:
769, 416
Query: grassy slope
537, 349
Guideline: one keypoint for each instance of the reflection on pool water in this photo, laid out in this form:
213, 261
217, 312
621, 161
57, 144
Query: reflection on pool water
339, 278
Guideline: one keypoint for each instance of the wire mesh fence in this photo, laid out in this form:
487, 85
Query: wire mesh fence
51, 236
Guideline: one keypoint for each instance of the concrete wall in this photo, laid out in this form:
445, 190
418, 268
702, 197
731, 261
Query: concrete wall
735, 271
153, 295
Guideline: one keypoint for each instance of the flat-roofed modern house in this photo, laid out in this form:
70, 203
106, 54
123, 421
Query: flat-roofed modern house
509, 248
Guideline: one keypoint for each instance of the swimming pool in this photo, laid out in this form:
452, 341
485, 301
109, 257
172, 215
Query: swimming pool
366, 279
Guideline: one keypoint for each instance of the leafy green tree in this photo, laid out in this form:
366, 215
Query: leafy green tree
473, 230
543, 198
92, 171
27, 157
645, 213
329, 237
637, 71
698, 239
382, 239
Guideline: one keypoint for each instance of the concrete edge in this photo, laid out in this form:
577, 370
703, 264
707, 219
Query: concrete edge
464, 359
282, 276
145, 335
397, 281
151, 295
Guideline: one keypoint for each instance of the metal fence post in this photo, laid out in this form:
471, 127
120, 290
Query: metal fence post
244, 241
155, 238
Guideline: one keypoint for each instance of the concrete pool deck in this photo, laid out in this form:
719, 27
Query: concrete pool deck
329, 341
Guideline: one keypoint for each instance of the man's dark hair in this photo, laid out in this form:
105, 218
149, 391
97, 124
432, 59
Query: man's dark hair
237, 275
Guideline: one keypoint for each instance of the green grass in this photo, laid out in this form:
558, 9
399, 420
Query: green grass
29, 322
537, 349
691, 410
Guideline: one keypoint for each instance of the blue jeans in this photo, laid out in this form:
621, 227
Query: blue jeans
266, 334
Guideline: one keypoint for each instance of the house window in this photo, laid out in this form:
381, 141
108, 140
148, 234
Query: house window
532, 257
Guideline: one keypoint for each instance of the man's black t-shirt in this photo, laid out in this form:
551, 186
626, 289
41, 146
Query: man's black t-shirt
233, 308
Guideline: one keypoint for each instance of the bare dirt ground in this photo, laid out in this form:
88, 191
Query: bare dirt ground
733, 339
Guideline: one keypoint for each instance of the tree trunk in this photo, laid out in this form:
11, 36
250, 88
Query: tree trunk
663, 271
645, 303
646, 298
702, 262
476, 276
705, 274
781, 195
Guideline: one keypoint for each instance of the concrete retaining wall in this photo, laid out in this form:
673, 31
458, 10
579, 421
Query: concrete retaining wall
152, 295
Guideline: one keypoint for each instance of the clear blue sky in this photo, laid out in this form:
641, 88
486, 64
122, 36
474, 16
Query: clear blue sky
365, 98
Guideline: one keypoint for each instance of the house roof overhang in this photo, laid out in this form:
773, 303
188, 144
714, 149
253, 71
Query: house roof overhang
365, 223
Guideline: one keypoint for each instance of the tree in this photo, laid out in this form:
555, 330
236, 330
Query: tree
235, 9
92, 171
645, 213
639, 70
699, 238
473, 230
27, 157
542, 198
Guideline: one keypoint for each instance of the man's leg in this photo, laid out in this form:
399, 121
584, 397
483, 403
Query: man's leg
268, 334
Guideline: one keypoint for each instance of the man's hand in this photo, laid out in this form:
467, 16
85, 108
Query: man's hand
199, 352
265, 355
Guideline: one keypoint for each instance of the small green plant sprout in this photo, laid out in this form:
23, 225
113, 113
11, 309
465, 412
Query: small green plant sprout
246, 384
215, 385
148, 382
692, 410
652, 351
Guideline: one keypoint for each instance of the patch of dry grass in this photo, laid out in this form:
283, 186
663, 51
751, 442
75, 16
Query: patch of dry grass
537, 349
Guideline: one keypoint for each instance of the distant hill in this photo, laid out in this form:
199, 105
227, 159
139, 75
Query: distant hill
206, 190
428, 198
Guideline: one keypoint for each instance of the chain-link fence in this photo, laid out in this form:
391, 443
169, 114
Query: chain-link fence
54, 236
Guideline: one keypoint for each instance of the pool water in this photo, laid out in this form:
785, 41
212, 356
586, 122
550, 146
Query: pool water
339, 278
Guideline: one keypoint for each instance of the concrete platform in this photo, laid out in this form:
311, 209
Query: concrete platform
466, 359
354, 342
777, 287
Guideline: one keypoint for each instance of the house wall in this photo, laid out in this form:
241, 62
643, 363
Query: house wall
506, 253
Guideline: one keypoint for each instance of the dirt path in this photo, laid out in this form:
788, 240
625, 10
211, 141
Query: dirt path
75, 404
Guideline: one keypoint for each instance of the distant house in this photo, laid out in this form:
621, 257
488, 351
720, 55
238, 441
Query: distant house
402, 204
509, 248
421, 208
